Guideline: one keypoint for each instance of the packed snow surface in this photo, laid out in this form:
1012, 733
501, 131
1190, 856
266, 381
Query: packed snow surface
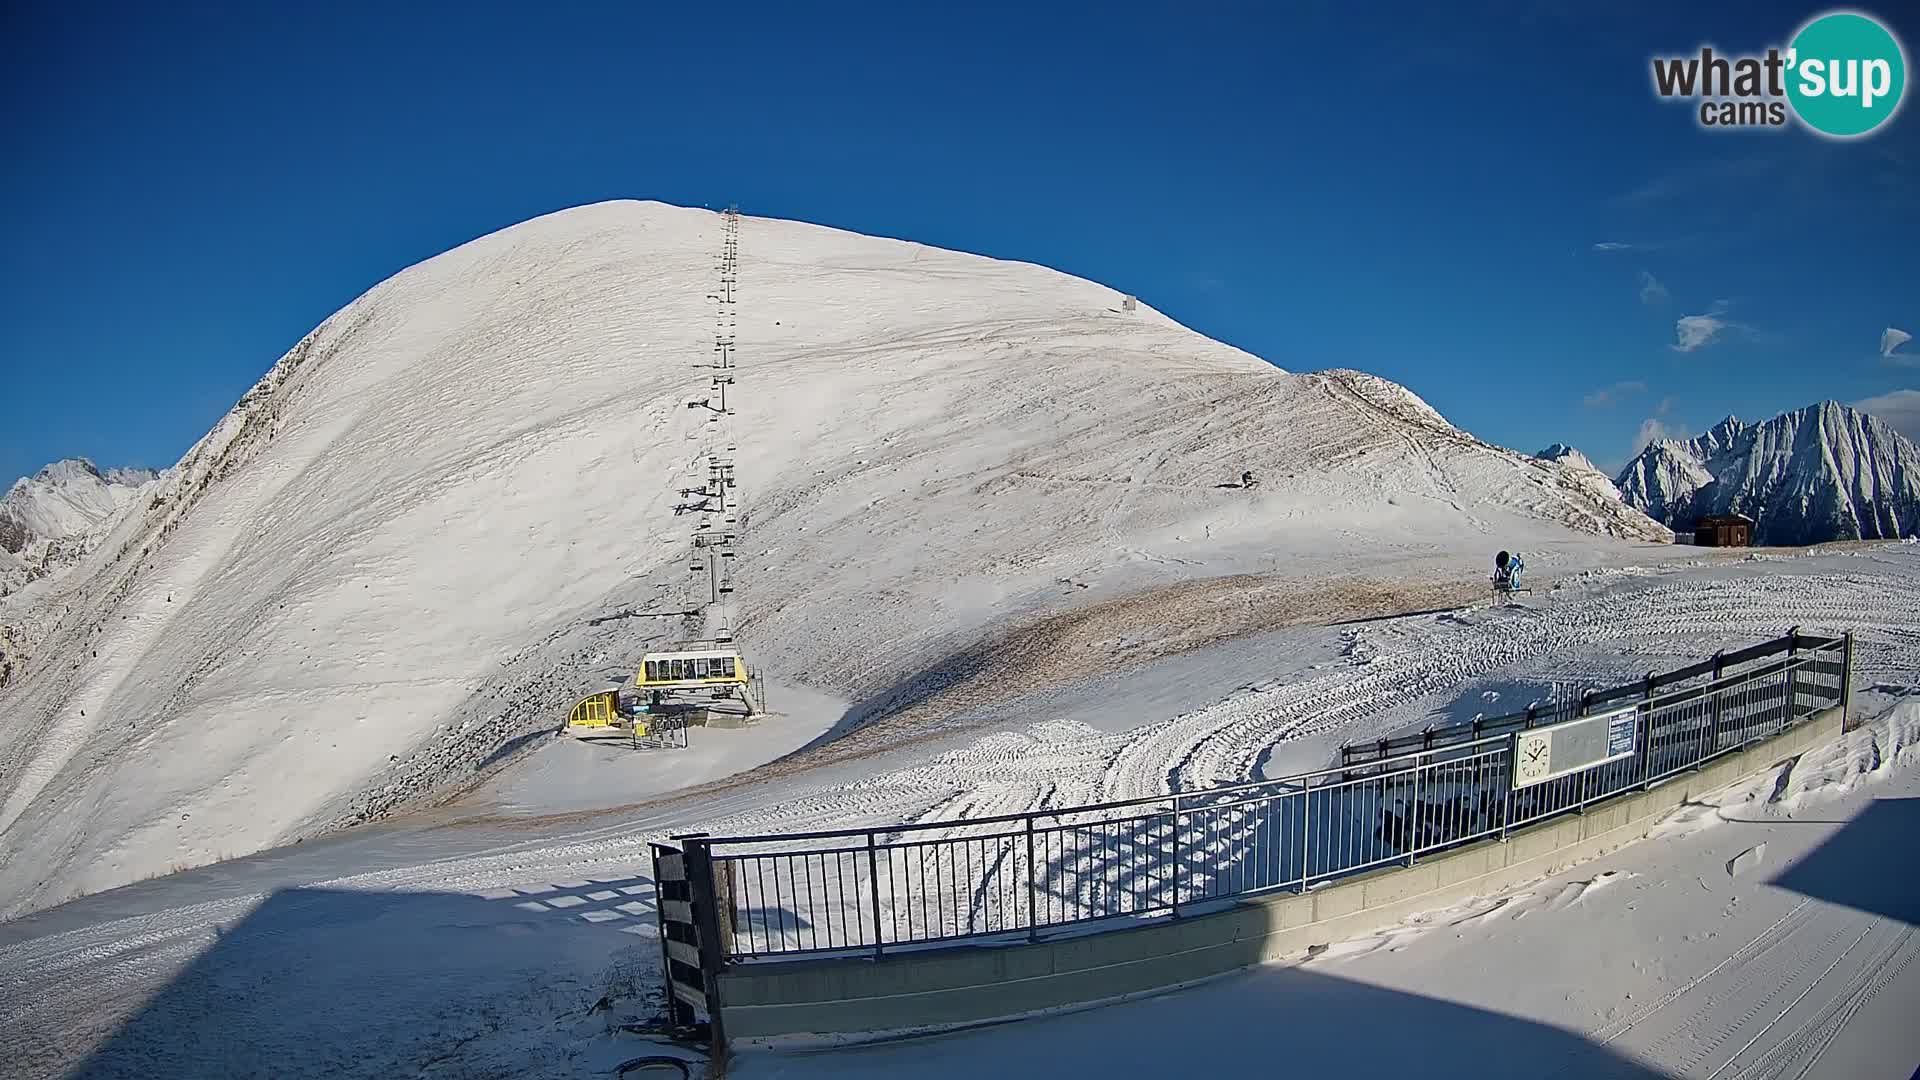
380, 574
1825, 472
481, 948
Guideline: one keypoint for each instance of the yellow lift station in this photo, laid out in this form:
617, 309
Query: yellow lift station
667, 680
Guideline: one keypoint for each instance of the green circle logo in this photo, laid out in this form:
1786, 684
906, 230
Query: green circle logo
1846, 74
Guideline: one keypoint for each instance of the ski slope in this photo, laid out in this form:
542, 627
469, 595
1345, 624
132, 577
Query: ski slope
470, 941
382, 571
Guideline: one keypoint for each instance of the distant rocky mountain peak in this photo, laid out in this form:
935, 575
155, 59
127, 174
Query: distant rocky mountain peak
1824, 472
1568, 456
46, 519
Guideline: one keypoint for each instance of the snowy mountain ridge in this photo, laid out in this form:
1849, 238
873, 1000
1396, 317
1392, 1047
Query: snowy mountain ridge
50, 520
1824, 472
67, 497
1568, 456
1577, 470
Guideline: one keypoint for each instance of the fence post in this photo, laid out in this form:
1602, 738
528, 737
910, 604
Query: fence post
659, 905
873, 888
1513, 763
1713, 711
1793, 675
1306, 831
1846, 679
702, 890
1646, 743
1174, 873
1413, 816
1033, 910
678, 1011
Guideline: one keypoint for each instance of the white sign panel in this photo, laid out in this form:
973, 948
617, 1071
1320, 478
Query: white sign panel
1547, 753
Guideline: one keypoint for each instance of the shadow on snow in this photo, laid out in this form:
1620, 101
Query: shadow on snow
1859, 865
330, 982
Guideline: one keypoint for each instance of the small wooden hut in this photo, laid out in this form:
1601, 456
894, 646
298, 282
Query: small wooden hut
1723, 530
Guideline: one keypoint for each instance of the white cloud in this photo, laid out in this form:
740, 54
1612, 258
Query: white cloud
1890, 340
1656, 429
1612, 245
1651, 291
1900, 409
1696, 331
1613, 395
1650, 431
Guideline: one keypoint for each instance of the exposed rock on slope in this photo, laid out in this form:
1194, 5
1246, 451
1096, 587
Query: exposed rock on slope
1825, 472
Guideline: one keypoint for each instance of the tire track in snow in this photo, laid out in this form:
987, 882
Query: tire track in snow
1606, 1035
1807, 1043
1223, 743
1770, 968
1061, 763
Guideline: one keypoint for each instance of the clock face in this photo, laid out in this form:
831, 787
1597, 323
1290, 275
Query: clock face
1535, 756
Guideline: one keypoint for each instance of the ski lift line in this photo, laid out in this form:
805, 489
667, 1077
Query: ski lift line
715, 495
711, 544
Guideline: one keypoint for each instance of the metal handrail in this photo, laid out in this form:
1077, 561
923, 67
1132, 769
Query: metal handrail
1373, 765
1235, 839
1785, 644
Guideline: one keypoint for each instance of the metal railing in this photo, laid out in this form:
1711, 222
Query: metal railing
907, 885
1716, 667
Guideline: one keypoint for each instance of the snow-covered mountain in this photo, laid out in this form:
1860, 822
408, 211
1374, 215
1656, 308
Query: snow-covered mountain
1580, 471
1568, 456
50, 519
391, 559
1825, 472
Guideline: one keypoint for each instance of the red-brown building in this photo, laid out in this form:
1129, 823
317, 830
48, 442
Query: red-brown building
1723, 530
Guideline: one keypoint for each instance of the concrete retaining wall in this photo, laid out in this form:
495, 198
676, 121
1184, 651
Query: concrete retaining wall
949, 987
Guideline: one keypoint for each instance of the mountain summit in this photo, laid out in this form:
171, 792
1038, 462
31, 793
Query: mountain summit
47, 520
1825, 472
1568, 456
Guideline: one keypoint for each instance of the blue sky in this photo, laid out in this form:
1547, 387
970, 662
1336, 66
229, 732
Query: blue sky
1470, 202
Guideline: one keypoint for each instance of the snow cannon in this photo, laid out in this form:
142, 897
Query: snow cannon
1506, 575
